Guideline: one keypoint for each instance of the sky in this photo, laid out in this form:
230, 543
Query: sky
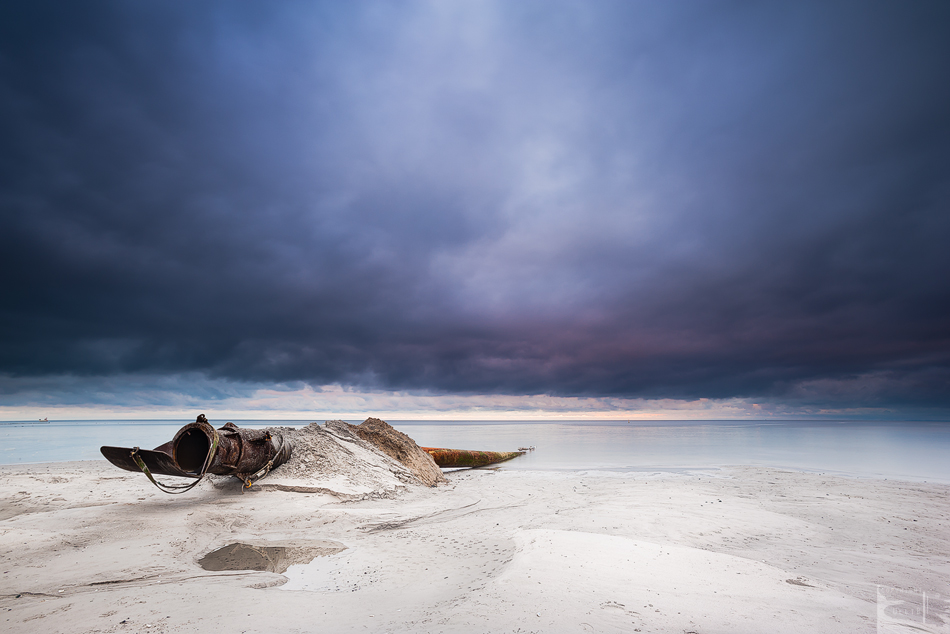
475, 209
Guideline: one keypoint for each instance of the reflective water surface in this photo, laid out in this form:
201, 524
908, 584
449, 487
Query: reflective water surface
912, 450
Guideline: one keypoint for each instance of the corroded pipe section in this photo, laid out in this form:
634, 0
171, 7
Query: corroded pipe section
466, 458
240, 452
198, 449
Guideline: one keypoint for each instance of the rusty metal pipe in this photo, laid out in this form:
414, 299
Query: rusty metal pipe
191, 444
465, 458
247, 454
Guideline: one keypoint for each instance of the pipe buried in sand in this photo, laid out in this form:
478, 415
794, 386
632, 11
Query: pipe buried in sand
198, 449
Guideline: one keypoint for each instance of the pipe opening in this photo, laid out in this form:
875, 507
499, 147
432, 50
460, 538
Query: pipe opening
191, 450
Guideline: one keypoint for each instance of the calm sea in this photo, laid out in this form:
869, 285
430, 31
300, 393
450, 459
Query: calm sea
908, 450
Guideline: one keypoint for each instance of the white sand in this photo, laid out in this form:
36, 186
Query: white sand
90, 548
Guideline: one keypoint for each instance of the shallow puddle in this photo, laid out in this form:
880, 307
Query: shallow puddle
275, 557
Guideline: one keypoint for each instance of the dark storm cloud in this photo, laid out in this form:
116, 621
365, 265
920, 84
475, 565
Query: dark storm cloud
646, 200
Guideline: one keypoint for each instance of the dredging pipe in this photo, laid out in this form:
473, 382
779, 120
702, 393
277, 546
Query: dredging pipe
466, 458
199, 449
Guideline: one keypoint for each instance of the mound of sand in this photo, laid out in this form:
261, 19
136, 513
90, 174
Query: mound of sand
350, 462
400, 448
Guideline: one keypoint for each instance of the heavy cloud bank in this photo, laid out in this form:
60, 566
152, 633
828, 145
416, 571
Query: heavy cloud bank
642, 200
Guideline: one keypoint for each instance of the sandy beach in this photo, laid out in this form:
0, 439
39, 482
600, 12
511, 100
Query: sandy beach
89, 548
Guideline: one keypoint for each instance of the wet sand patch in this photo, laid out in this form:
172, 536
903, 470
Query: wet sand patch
275, 557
